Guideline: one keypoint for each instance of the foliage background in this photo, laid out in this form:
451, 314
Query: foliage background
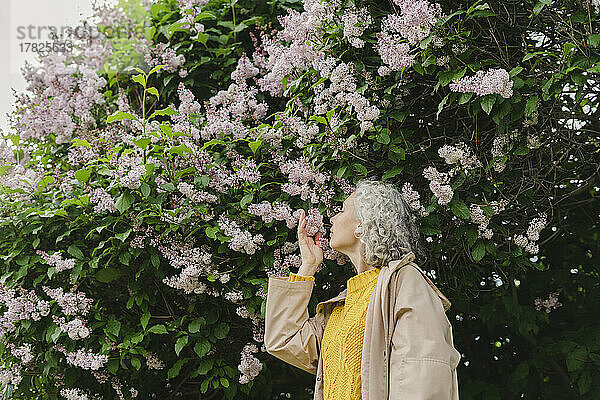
511, 348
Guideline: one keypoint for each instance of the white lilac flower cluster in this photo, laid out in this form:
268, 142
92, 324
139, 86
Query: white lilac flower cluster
75, 328
190, 9
188, 105
303, 132
498, 147
54, 99
596, 5
153, 362
26, 305
197, 196
549, 304
438, 184
250, 366
258, 325
11, 376
73, 394
228, 108
161, 53
241, 241
83, 359
300, 174
279, 210
485, 82
528, 242
57, 261
356, 20
22, 352
80, 155
281, 268
235, 296
103, 201
414, 23
412, 198
193, 263
478, 217
71, 303
461, 155
19, 177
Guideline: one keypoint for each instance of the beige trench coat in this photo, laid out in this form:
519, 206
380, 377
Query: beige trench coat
408, 350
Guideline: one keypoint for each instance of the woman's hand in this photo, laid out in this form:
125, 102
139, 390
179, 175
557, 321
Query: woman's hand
312, 254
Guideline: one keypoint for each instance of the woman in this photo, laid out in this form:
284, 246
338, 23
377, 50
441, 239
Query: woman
386, 336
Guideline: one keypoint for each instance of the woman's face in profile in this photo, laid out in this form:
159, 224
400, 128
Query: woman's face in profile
343, 225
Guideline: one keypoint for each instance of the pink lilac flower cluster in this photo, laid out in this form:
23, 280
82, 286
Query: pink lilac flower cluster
250, 366
416, 19
188, 106
282, 268
412, 198
496, 80
190, 9
197, 196
356, 20
245, 170
55, 105
482, 220
22, 306
80, 155
75, 328
258, 326
300, 175
498, 147
297, 128
22, 352
153, 362
241, 241
19, 177
439, 184
161, 53
549, 304
103, 201
57, 261
73, 394
279, 210
528, 242
83, 359
11, 376
71, 303
461, 155
192, 261
235, 296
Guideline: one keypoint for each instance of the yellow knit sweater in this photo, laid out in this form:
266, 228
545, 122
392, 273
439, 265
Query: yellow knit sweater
343, 337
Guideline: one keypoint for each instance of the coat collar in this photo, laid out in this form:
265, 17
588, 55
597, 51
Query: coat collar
392, 265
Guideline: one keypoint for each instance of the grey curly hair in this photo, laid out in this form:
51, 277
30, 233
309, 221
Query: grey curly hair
389, 228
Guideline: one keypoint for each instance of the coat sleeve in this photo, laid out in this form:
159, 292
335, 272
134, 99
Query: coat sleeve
423, 359
290, 334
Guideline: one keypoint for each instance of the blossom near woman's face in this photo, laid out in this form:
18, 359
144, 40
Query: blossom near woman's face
343, 225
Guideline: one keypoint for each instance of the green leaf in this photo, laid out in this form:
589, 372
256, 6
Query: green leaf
152, 90
81, 142
180, 343
124, 201
82, 175
360, 168
254, 146
246, 199
460, 209
202, 347
531, 105
75, 252
221, 330
158, 67
144, 320
174, 370
145, 189
576, 358
478, 251
113, 327
136, 363
392, 172
108, 274
142, 142
195, 325
158, 329
594, 40
119, 116
224, 382
383, 137
487, 102
140, 79
441, 105
165, 111
123, 235
205, 366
